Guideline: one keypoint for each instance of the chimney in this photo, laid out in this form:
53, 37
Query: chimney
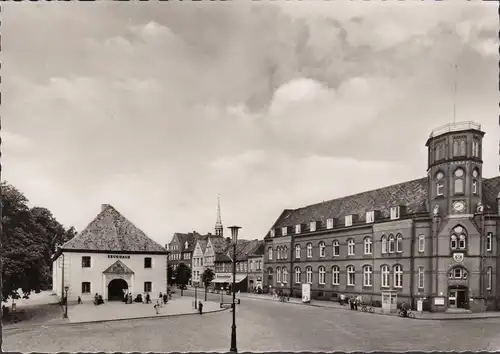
104, 206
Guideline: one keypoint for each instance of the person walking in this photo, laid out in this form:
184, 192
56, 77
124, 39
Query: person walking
200, 307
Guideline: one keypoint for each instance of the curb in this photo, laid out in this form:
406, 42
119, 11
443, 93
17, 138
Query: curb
5, 329
386, 314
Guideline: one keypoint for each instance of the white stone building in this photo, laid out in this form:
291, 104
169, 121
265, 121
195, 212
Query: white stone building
198, 265
108, 257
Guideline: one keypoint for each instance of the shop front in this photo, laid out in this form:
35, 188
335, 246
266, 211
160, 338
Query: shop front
224, 281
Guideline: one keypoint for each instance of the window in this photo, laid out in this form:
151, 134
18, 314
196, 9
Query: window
297, 275
489, 278
459, 147
312, 226
384, 244
272, 233
309, 275
278, 252
458, 238
322, 247
453, 242
270, 271
86, 287
148, 287
368, 245
336, 248
278, 274
322, 275
335, 275
399, 243
392, 247
86, 262
367, 275
270, 253
439, 183
489, 241
459, 181
309, 250
329, 223
370, 216
148, 262
297, 251
394, 213
384, 275
297, 229
458, 273
348, 220
284, 231
475, 148
351, 247
284, 275
421, 243
398, 276
421, 277
474, 186
351, 276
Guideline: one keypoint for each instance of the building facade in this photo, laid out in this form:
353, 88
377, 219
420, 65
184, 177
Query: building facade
433, 238
198, 258
109, 257
256, 268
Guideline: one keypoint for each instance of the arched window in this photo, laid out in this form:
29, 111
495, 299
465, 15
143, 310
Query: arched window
458, 238
309, 250
421, 279
475, 175
398, 276
336, 248
351, 247
284, 253
322, 275
278, 274
368, 245
270, 253
459, 181
458, 273
309, 275
278, 252
421, 243
489, 278
367, 275
284, 275
399, 243
335, 275
270, 272
384, 276
297, 275
384, 244
439, 183
392, 247
297, 251
322, 247
351, 275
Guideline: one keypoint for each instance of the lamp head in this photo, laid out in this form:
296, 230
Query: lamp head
66, 288
234, 233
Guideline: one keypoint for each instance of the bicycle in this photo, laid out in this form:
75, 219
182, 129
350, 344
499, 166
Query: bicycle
407, 313
366, 308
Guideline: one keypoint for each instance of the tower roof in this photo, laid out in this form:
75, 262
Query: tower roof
454, 128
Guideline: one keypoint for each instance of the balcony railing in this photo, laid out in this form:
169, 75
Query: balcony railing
453, 127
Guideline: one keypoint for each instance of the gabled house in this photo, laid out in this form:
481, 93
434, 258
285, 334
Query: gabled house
198, 258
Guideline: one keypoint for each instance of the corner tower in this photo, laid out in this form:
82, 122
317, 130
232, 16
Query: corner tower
454, 169
219, 228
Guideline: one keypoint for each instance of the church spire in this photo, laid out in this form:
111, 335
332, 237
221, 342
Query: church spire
219, 229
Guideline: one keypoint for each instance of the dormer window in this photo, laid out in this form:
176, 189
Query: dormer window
272, 233
297, 229
395, 213
312, 226
186, 244
348, 220
370, 216
329, 223
284, 231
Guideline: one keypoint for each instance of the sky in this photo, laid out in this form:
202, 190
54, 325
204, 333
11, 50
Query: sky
158, 108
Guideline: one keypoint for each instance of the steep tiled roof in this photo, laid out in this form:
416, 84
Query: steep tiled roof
219, 244
190, 238
491, 190
413, 194
203, 244
258, 249
111, 231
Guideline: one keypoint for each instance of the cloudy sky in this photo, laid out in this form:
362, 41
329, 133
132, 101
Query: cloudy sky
156, 108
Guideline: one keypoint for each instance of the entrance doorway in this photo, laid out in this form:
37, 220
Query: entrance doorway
115, 289
457, 298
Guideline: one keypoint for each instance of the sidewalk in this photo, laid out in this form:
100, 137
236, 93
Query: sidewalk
378, 310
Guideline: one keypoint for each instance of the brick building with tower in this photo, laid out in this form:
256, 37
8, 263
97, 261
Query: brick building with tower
433, 238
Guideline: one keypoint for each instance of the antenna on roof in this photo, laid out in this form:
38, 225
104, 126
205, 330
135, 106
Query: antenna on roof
455, 74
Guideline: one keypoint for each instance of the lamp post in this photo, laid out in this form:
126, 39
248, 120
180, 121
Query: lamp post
234, 236
66, 288
221, 294
195, 297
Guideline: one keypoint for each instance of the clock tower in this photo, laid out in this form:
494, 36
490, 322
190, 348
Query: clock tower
454, 169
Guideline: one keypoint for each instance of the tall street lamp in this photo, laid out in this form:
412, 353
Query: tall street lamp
234, 236
195, 297
66, 288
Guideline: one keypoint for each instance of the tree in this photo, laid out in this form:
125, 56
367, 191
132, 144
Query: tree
170, 274
182, 276
207, 277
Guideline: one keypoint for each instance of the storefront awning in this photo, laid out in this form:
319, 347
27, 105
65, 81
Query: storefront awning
228, 278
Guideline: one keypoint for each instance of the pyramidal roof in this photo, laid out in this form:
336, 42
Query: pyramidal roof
111, 231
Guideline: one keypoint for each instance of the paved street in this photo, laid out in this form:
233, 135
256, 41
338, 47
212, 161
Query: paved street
263, 326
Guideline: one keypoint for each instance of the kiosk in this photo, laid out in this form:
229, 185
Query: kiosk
389, 301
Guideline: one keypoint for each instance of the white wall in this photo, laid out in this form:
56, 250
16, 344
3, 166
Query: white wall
74, 274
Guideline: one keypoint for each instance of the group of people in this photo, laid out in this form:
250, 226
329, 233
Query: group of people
280, 295
162, 298
98, 300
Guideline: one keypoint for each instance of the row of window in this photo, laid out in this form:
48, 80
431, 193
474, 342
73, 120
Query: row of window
459, 148
458, 182
87, 262
255, 265
87, 289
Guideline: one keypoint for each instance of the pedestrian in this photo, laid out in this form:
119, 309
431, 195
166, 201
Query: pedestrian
79, 300
351, 303
165, 299
157, 308
200, 307
356, 304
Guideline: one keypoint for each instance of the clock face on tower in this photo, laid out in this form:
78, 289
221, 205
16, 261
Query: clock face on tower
458, 206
